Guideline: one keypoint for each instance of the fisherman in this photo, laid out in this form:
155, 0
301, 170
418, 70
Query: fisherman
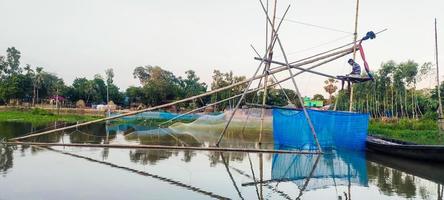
356, 68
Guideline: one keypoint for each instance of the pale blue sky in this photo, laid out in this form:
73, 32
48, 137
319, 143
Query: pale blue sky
76, 38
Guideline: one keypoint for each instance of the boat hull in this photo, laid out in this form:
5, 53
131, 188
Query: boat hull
430, 153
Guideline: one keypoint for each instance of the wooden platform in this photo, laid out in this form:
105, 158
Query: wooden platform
354, 79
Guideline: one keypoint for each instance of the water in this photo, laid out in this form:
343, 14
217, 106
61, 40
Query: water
104, 173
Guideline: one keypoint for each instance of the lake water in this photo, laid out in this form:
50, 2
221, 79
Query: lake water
29, 172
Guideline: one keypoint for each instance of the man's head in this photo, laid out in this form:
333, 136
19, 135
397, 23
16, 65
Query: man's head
351, 61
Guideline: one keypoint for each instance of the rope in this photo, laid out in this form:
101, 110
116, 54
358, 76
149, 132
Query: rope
319, 45
317, 26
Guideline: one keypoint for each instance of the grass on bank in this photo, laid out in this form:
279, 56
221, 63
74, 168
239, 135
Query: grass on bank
41, 116
423, 131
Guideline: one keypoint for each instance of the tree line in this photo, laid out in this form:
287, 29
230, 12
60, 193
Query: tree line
34, 85
394, 93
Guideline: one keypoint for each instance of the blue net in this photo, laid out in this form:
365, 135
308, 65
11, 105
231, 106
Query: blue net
335, 130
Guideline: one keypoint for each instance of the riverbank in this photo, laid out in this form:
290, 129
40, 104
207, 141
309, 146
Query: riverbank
40, 116
424, 131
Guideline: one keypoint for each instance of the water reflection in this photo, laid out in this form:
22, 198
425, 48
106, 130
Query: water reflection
6, 158
145, 157
337, 168
400, 176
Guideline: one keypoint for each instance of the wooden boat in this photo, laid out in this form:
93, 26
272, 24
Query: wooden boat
431, 153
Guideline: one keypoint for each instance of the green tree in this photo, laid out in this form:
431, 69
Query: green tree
330, 87
192, 87
159, 86
13, 60
134, 94
142, 73
221, 80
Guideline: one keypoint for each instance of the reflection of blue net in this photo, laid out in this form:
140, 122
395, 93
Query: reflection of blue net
340, 130
336, 169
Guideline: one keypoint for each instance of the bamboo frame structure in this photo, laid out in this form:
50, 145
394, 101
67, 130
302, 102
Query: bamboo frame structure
274, 71
267, 53
319, 59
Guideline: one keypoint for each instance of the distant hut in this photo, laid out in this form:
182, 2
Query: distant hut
80, 104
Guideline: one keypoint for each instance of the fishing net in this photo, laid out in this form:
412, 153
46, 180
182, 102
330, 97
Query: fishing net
197, 129
160, 115
338, 168
335, 130
243, 129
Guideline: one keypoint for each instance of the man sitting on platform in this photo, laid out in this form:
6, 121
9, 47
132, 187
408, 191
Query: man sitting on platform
356, 69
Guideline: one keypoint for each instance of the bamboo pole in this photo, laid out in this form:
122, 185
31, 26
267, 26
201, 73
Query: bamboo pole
355, 37
267, 68
307, 116
297, 65
437, 71
131, 146
270, 48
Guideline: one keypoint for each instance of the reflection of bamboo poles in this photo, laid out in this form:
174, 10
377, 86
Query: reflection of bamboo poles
304, 187
281, 193
130, 146
254, 176
140, 172
440, 192
231, 176
261, 175
308, 178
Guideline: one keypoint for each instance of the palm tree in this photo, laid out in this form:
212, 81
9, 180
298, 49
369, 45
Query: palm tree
330, 88
38, 81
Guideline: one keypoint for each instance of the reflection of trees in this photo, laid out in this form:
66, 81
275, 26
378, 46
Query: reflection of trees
91, 134
391, 181
164, 139
187, 155
149, 156
15, 129
6, 158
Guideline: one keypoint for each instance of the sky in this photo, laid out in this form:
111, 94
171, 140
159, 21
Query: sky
80, 38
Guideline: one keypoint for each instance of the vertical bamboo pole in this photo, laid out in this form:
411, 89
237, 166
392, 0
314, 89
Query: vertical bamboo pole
267, 67
437, 71
355, 37
307, 116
